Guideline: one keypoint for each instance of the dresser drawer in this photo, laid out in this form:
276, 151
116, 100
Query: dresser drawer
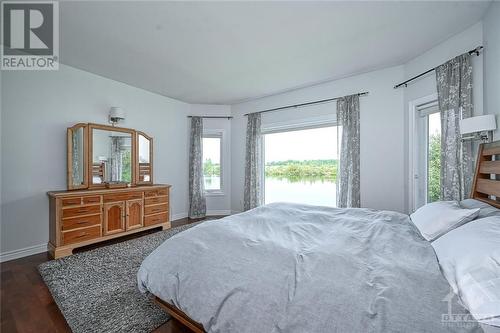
96, 199
152, 193
121, 196
155, 209
156, 192
162, 191
80, 222
72, 201
80, 235
83, 210
155, 219
156, 200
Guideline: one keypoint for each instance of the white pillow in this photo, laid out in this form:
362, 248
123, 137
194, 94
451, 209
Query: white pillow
485, 210
469, 257
437, 218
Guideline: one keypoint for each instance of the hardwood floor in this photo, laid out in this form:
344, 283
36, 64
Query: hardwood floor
27, 305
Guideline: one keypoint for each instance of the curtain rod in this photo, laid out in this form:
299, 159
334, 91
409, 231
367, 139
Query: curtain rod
216, 117
476, 51
305, 104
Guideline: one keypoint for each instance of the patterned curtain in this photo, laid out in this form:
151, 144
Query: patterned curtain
197, 201
454, 86
348, 188
253, 163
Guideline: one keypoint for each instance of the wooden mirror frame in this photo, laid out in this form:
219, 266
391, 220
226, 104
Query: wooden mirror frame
69, 138
88, 152
137, 166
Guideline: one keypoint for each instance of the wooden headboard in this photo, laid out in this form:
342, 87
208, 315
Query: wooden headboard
486, 185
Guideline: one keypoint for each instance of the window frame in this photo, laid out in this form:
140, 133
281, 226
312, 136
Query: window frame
416, 143
219, 134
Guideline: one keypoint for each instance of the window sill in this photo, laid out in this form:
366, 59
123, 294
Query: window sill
214, 193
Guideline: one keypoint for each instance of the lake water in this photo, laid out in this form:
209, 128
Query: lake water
212, 183
309, 191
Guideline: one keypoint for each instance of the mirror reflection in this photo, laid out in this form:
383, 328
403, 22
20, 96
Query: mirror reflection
111, 156
144, 146
77, 158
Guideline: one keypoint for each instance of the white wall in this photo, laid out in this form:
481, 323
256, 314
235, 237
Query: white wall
448, 49
491, 38
218, 204
382, 176
38, 106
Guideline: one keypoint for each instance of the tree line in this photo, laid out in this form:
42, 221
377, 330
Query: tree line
294, 169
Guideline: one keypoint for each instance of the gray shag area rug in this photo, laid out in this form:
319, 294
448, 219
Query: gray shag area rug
97, 290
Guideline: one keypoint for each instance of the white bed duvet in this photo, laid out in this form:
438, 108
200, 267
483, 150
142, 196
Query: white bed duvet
300, 268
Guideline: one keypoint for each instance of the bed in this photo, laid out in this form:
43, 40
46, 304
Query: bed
299, 268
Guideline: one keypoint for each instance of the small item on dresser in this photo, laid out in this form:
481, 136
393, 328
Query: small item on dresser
116, 185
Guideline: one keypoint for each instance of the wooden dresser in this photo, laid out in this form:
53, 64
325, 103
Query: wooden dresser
83, 217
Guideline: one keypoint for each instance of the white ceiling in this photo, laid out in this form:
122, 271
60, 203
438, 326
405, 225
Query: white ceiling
224, 52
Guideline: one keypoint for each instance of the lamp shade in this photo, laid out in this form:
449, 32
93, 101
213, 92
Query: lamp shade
116, 113
478, 124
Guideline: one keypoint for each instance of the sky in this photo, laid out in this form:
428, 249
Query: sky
434, 123
211, 149
310, 144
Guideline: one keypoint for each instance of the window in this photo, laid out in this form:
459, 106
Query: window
212, 171
301, 166
428, 154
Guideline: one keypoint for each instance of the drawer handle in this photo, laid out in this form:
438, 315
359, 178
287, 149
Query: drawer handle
82, 210
157, 210
82, 235
82, 222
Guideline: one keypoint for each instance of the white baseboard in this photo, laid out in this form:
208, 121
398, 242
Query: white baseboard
218, 212
27, 251
236, 212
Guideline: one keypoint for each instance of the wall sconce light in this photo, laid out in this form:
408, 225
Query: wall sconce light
116, 114
481, 128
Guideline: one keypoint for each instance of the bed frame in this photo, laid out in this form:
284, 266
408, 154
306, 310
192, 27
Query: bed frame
486, 184
183, 318
485, 187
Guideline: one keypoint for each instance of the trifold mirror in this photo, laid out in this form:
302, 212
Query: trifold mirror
106, 156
